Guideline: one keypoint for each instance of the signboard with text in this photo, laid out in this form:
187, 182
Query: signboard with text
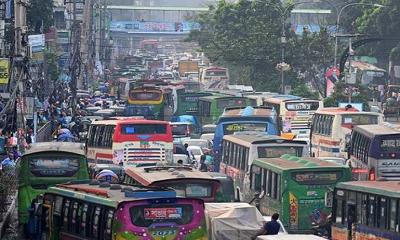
4, 70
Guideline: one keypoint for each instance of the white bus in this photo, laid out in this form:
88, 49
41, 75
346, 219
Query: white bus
331, 129
294, 114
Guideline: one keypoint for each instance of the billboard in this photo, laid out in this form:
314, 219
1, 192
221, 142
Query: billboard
4, 70
153, 27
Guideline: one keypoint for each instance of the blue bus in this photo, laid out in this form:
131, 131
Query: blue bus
239, 119
374, 152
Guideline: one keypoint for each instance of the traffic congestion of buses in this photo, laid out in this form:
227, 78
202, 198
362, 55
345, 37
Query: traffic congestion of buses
168, 149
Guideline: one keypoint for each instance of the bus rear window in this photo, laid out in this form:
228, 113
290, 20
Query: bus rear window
223, 103
180, 129
240, 127
359, 119
54, 166
144, 96
146, 215
144, 129
196, 190
302, 106
277, 151
316, 178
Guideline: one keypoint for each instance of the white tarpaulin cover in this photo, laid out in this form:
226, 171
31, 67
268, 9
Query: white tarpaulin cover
232, 221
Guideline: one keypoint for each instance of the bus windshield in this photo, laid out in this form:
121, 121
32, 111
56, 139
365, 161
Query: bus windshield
302, 106
316, 178
143, 129
146, 215
54, 166
359, 119
240, 127
145, 96
277, 151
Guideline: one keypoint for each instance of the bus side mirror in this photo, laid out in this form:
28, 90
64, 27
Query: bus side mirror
237, 194
329, 199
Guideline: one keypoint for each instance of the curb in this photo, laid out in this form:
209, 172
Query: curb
6, 220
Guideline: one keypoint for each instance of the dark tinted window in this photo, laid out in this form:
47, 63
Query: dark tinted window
144, 129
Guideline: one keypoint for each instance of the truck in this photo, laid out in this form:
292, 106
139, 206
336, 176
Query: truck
186, 67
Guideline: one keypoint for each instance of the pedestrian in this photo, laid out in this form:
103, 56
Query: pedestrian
203, 166
270, 228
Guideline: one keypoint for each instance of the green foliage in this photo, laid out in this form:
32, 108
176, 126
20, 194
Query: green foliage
339, 95
40, 15
374, 22
246, 35
52, 66
303, 91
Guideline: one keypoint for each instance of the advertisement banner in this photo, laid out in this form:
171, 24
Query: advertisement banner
4, 69
148, 27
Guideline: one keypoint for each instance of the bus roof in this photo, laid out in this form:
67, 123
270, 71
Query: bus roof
68, 147
339, 110
287, 162
219, 96
149, 175
128, 121
110, 196
282, 98
386, 188
248, 139
248, 111
376, 130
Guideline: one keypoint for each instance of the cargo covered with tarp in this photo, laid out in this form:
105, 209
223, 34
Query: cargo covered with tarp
232, 221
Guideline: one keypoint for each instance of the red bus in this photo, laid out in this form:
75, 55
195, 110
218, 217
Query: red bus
130, 141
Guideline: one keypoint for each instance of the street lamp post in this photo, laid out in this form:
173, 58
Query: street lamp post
338, 22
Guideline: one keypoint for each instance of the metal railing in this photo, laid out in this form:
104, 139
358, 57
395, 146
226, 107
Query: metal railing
44, 134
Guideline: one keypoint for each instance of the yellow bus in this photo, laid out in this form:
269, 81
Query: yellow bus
331, 129
294, 114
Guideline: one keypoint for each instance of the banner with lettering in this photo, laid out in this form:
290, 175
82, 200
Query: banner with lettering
4, 70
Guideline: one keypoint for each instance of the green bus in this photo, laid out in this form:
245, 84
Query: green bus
188, 103
296, 188
47, 164
211, 107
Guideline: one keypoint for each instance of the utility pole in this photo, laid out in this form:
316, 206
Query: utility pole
75, 57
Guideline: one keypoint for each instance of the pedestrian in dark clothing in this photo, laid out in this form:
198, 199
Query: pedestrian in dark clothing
270, 228
203, 165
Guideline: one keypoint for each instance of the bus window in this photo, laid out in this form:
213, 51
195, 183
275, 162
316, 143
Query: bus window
383, 214
108, 224
95, 223
339, 211
48, 165
144, 129
74, 217
277, 151
66, 214
371, 214
255, 178
393, 215
84, 218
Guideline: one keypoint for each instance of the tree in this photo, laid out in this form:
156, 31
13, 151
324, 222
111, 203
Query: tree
302, 90
40, 15
247, 35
